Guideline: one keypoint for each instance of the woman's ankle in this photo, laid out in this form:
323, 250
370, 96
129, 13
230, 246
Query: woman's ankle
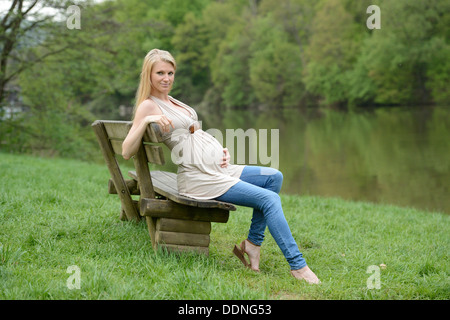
252, 243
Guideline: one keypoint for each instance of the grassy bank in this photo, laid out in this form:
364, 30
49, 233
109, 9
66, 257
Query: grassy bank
56, 213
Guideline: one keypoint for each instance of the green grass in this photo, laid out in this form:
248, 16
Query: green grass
55, 213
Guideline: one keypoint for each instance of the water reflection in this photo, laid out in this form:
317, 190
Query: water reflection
396, 155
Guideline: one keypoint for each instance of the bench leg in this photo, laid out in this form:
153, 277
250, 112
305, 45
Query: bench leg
151, 226
183, 235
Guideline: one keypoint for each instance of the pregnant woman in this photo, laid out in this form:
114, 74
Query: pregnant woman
204, 171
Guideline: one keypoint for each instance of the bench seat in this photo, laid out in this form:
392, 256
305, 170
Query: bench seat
165, 184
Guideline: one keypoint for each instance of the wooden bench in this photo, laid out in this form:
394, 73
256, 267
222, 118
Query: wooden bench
174, 222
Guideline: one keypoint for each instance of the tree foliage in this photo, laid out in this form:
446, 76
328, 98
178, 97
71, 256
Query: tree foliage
235, 54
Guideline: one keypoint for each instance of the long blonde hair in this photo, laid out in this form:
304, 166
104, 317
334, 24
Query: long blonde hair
145, 85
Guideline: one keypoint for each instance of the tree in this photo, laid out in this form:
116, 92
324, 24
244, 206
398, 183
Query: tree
20, 26
294, 17
275, 66
192, 73
331, 52
64, 76
230, 68
405, 61
196, 43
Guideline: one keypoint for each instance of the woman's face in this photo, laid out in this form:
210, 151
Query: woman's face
162, 77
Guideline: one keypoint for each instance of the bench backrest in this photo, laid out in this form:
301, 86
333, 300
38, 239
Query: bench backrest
117, 131
110, 135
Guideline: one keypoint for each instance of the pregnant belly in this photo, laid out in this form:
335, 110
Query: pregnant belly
200, 150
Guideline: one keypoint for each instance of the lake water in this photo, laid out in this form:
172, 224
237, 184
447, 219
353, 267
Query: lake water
395, 155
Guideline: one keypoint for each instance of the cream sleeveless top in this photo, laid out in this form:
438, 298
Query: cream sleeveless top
198, 155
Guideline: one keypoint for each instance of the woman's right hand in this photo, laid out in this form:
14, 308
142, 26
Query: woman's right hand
163, 122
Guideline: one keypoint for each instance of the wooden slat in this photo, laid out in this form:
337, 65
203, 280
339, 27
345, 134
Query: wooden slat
168, 184
165, 189
153, 133
114, 170
117, 130
185, 226
168, 209
132, 186
180, 238
156, 178
117, 146
180, 249
146, 188
168, 179
155, 154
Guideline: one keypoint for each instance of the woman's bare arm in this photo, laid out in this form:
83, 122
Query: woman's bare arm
146, 113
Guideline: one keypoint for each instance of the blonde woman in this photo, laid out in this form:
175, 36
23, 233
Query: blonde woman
204, 170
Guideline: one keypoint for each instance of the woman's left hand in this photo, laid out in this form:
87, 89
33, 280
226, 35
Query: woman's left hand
226, 158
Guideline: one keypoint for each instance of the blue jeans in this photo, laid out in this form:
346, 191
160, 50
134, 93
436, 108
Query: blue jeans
258, 189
